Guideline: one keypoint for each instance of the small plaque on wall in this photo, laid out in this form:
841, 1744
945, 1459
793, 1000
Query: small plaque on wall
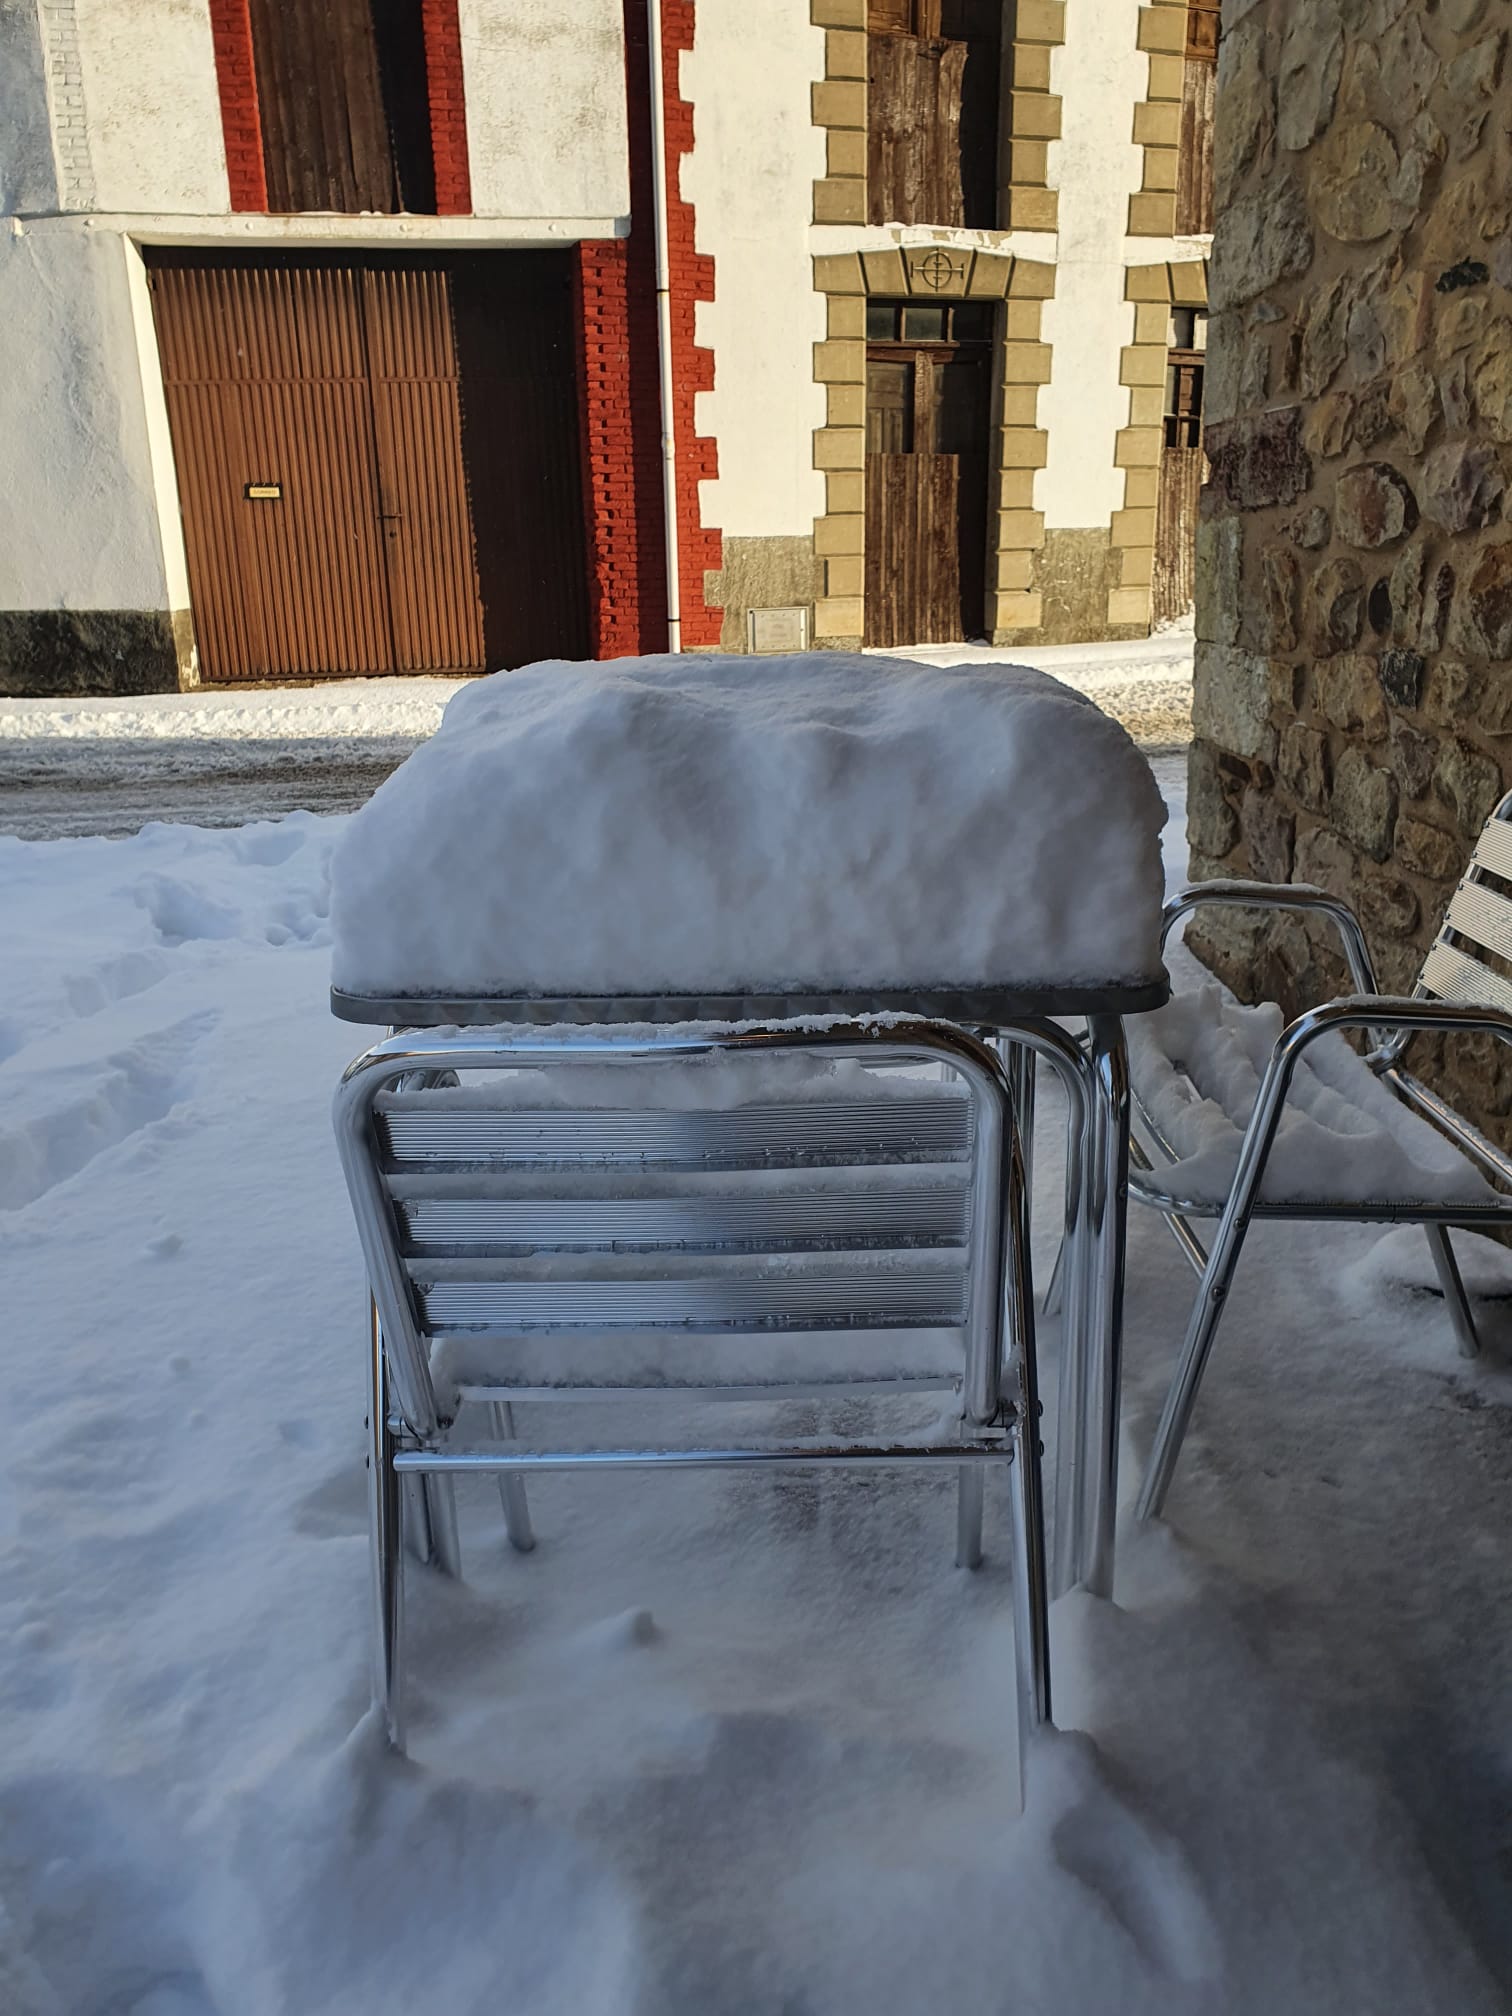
263, 493
774, 630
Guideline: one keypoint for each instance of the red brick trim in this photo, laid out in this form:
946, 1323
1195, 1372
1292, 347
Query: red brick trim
621, 443
448, 107
692, 274
241, 122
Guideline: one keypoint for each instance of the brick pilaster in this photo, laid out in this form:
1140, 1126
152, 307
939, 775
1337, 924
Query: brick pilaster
620, 391
241, 122
448, 107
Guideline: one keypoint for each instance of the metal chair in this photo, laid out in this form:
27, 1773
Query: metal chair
864, 1236
1458, 993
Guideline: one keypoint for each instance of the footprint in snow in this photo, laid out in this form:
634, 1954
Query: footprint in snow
180, 912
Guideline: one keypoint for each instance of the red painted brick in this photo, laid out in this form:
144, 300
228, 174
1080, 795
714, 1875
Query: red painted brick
448, 113
241, 121
620, 397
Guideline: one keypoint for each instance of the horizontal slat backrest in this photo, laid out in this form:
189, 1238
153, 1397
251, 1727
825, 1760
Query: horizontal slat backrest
445, 1127
1477, 928
813, 1213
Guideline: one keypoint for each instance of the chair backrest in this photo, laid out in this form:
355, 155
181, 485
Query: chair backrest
576, 1213
1478, 922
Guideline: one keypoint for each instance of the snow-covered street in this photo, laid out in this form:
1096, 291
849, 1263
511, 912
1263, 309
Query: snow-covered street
218, 758
719, 1744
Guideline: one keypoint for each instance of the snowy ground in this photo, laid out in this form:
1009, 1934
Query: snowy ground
74, 767
719, 1744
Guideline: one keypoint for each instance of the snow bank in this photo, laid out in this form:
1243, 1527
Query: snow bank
1196, 1066
700, 825
335, 709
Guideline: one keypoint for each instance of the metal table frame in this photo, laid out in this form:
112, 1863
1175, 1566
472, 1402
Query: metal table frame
1095, 1076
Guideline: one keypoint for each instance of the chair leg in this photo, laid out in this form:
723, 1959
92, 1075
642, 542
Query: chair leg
1031, 1601
1176, 1415
1103, 1314
441, 1511
971, 1481
385, 1523
1458, 1302
415, 1518
512, 1485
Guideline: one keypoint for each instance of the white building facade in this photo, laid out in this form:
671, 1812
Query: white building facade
336, 333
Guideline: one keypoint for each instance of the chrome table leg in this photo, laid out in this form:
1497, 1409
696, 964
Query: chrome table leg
512, 1485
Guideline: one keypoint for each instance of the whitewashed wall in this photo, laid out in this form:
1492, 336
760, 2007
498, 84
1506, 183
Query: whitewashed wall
28, 181
1101, 76
751, 175
153, 107
545, 87
78, 518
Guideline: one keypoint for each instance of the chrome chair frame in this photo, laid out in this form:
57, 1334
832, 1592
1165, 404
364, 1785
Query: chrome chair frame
412, 1439
1456, 995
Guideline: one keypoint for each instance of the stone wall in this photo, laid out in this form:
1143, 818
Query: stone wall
1353, 703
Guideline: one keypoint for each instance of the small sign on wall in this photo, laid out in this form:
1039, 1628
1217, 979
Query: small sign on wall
263, 493
775, 630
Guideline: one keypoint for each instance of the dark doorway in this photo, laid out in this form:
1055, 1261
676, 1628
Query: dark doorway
928, 399
374, 476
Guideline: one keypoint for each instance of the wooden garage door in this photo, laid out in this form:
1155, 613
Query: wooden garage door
316, 423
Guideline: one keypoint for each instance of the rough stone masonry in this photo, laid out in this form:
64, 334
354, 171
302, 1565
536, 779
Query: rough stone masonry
1353, 706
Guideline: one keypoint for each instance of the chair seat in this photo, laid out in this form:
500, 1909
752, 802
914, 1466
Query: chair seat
1344, 1137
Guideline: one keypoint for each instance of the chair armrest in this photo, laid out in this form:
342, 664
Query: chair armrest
1374, 1011
1236, 895
1410, 1013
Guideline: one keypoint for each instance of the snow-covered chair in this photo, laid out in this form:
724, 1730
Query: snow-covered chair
1238, 1118
726, 1215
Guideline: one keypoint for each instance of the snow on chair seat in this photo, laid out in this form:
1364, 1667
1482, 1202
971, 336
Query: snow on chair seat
727, 1216
1344, 1138
1302, 1127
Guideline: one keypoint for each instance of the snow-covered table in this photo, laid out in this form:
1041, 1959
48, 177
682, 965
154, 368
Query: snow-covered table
765, 839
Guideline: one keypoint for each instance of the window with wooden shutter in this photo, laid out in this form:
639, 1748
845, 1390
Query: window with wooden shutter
344, 103
932, 111
1194, 171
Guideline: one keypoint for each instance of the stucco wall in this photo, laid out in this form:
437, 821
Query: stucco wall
750, 179
150, 98
79, 528
546, 107
1353, 705
83, 596
1099, 75
28, 180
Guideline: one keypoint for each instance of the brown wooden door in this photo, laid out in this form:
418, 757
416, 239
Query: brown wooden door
932, 111
316, 420
1194, 163
434, 600
265, 372
325, 128
1183, 470
926, 492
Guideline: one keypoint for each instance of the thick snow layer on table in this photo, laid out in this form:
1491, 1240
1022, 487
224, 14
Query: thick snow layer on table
813, 823
1196, 1066
723, 1742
